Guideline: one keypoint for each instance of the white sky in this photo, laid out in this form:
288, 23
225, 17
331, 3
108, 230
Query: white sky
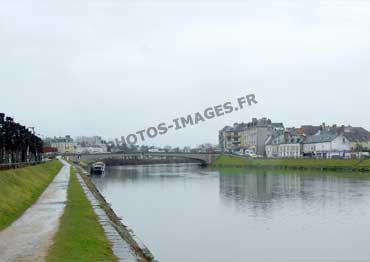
110, 68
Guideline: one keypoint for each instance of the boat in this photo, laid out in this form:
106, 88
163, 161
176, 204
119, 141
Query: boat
98, 168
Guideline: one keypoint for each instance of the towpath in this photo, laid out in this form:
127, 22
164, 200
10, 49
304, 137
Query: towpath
30, 236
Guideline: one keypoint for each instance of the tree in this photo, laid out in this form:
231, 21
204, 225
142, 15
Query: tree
17, 143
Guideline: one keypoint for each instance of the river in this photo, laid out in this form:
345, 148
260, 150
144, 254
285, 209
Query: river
183, 212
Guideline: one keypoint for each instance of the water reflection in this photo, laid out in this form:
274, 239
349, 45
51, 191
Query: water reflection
261, 190
187, 213
150, 174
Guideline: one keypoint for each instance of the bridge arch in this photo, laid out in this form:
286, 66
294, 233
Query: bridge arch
203, 158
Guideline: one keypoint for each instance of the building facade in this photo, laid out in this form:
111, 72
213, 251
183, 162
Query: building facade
265, 138
250, 137
284, 144
63, 144
337, 142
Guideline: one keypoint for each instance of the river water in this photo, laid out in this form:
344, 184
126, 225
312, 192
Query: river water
183, 212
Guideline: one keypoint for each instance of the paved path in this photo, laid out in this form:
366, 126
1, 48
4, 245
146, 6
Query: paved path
29, 237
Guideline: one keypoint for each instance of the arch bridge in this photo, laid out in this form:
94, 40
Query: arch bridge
203, 158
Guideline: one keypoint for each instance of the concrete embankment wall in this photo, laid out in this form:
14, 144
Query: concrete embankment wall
127, 235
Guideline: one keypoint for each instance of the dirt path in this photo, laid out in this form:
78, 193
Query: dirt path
29, 237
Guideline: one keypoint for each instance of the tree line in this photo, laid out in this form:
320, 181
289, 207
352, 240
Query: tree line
17, 142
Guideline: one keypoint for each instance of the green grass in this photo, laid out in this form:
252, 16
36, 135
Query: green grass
227, 160
20, 188
80, 236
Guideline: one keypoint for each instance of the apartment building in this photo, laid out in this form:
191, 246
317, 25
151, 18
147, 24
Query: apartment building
249, 136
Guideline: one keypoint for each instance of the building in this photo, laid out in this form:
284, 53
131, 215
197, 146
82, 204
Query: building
358, 137
272, 144
91, 145
254, 136
222, 138
337, 142
263, 137
326, 144
63, 144
89, 140
90, 149
48, 149
318, 142
249, 137
284, 144
309, 130
230, 137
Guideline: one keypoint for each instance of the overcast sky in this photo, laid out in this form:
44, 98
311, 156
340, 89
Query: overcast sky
110, 68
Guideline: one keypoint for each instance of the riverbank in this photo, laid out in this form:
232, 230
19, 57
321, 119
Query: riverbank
142, 252
80, 236
321, 164
20, 188
30, 236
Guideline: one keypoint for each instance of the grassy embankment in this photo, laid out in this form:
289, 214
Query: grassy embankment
20, 188
326, 164
80, 236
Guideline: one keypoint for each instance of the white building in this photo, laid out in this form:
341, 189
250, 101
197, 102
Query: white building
91, 145
91, 149
327, 142
337, 142
63, 144
287, 144
326, 145
290, 150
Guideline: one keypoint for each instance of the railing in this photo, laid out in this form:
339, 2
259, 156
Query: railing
142, 153
18, 165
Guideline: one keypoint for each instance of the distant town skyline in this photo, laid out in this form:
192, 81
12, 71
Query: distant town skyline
151, 142
110, 139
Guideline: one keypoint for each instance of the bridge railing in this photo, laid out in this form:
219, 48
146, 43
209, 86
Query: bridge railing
142, 153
